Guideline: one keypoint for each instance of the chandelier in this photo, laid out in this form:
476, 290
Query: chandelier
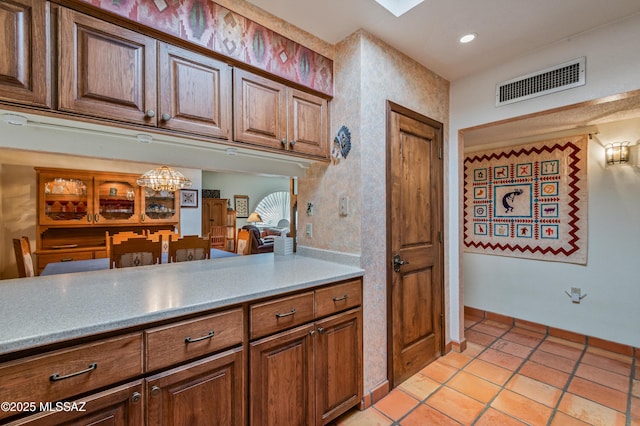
164, 178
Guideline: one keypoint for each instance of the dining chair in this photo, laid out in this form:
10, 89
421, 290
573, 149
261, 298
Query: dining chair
243, 244
135, 252
24, 259
218, 235
118, 237
166, 234
189, 247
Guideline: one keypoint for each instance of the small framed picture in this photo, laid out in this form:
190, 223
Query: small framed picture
241, 206
189, 198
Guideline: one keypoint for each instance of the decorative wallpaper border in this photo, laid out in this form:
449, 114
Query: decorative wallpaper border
210, 25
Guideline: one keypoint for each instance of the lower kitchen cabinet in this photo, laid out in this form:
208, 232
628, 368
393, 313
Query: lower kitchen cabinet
207, 392
119, 406
308, 375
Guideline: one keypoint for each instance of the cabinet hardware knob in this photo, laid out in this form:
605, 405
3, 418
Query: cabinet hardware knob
150, 113
96, 217
338, 299
320, 330
292, 142
166, 117
136, 397
56, 377
155, 391
312, 332
209, 335
279, 315
284, 142
89, 217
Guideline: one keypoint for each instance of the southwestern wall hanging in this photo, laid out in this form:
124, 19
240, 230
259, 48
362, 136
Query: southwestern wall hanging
528, 201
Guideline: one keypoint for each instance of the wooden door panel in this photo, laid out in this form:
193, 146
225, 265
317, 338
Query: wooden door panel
208, 392
339, 362
282, 379
105, 70
24, 52
308, 124
259, 110
416, 221
194, 92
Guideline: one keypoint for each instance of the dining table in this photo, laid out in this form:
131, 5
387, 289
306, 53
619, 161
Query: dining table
55, 268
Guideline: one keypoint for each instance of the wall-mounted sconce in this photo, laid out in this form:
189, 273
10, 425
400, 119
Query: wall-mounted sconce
617, 153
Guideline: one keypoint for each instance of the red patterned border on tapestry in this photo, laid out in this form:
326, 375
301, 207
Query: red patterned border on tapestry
208, 24
528, 201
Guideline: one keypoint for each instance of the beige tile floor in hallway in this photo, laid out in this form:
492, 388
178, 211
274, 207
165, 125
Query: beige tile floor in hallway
513, 376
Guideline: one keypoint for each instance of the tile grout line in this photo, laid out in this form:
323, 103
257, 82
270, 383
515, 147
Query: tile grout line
634, 360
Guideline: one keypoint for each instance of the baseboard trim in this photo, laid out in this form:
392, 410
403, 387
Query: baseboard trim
375, 395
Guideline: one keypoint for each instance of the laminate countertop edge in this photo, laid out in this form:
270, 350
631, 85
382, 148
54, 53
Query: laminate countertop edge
46, 310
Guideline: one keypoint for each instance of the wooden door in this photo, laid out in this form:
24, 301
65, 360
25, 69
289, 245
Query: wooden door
415, 218
120, 406
106, 71
338, 365
24, 52
260, 113
208, 392
308, 124
214, 213
282, 379
194, 93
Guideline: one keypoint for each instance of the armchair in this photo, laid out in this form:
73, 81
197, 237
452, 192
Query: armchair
257, 244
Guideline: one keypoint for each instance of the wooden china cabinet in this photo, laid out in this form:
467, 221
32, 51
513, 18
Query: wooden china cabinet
77, 207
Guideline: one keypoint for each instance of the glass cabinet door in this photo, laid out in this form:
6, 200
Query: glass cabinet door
115, 200
65, 198
160, 206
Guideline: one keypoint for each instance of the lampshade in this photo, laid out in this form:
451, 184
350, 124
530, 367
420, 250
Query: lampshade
164, 178
254, 217
617, 153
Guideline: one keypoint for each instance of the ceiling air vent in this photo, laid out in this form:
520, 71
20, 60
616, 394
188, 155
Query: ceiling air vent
554, 79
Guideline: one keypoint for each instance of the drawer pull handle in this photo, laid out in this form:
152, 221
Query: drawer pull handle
66, 259
338, 299
207, 336
56, 377
279, 315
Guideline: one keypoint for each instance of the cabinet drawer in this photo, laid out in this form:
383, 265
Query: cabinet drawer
338, 298
61, 374
270, 317
174, 343
44, 259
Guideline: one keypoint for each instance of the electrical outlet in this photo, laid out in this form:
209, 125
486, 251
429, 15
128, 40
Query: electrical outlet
309, 230
344, 206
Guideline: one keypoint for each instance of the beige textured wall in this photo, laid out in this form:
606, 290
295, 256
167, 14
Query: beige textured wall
368, 73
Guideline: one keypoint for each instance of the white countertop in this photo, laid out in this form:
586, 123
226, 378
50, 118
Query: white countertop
43, 310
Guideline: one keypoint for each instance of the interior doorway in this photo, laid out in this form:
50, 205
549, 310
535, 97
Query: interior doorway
415, 272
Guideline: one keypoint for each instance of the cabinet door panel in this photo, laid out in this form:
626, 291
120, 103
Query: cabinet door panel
208, 392
282, 379
308, 124
106, 71
24, 52
259, 110
339, 364
194, 93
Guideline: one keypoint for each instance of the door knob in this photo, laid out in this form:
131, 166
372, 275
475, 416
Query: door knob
398, 262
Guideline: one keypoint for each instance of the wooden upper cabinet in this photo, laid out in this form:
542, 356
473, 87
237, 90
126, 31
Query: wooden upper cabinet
270, 114
105, 70
260, 113
194, 93
308, 123
24, 52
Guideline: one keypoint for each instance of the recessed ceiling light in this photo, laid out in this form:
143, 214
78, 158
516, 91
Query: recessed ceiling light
468, 38
144, 138
399, 7
15, 119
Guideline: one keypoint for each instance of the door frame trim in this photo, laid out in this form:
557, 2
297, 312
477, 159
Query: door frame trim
392, 107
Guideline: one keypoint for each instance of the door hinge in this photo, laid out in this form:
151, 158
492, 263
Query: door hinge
441, 320
440, 237
439, 150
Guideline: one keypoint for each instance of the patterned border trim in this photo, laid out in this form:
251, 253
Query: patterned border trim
573, 244
208, 24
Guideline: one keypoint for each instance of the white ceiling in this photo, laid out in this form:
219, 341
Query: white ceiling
429, 33
506, 29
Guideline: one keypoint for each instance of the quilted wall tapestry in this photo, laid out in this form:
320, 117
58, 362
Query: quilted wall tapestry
528, 201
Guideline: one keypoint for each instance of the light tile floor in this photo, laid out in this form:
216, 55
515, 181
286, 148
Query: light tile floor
513, 376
